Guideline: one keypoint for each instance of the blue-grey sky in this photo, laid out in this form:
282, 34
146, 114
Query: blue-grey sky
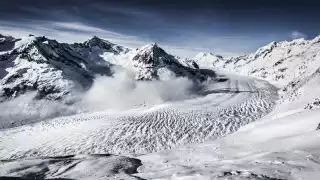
227, 27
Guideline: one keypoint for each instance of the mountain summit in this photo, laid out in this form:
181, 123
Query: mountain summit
152, 62
96, 43
153, 55
58, 71
53, 69
205, 60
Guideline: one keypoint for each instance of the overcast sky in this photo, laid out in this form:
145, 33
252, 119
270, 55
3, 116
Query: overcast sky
227, 27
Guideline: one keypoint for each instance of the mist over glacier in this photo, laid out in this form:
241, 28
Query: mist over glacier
122, 91
118, 92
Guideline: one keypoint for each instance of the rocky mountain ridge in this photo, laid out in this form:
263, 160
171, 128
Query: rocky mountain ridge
291, 65
58, 71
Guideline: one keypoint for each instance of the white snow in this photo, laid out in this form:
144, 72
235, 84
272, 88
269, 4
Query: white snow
215, 111
237, 129
274, 147
282, 145
208, 60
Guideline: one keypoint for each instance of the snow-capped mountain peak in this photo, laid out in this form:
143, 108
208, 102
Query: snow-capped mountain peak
101, 44
207, 54
152, 54
207, 60
152, 62
149, 59
265, 49
96, 41
52, 69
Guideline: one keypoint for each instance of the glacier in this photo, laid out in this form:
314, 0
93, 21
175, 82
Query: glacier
163, 117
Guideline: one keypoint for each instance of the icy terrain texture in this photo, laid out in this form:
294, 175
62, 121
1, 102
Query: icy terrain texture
187, 118
282, 145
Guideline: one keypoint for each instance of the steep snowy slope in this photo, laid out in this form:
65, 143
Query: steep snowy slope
278, 61
95, 48
53, 69
303, 92
293, 66
278, 147
283, 61
152, 62
290, 65
205, 60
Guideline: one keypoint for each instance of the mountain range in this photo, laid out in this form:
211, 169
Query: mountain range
59, 70
253, 116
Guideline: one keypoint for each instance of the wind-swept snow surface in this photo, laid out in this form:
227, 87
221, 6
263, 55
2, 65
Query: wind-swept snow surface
281, 146
218, 109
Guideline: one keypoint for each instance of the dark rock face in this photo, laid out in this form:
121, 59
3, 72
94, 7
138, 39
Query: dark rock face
246, 176
314, 104
7, 43
195, 65
151, 59
112, 167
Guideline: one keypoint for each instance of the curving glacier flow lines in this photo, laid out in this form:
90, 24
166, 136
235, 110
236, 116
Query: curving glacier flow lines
220, 109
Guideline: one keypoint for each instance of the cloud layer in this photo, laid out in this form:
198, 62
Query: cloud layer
123, 92
297, 34
71, 32
183, 27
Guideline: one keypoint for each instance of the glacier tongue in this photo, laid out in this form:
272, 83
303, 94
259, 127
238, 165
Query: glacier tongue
218, 110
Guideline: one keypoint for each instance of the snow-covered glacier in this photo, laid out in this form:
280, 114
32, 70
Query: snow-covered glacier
167, 117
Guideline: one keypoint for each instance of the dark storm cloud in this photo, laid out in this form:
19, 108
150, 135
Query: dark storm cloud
207, 24
166, 14
31, 8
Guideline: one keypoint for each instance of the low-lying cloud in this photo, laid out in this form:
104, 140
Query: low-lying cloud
297, 34
25, 110
122, 92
